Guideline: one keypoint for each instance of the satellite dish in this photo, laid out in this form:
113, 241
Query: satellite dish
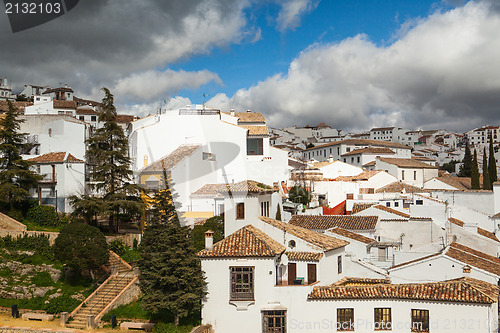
284, 260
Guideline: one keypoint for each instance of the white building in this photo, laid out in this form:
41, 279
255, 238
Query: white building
63, 176
45, 105
410, 171
339, 148
237, 144
6, 90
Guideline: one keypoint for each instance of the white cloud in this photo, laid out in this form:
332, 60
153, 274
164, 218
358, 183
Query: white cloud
151, 85
292, 11
442, 72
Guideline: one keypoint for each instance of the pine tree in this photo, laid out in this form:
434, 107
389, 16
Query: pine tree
492, 165
107, 156
466, 167
278, 213
486, 176
474, 173
171, 276
16, 178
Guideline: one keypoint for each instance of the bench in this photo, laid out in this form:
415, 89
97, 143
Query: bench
128, 325
37, 316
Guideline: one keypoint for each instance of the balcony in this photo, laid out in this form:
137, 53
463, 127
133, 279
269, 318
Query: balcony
48, 178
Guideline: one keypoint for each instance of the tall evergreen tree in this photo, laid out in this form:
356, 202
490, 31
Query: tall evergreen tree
16, 178
171, 276
107, 157
492, 164
486, 176
278, 213
474, 173
466, 167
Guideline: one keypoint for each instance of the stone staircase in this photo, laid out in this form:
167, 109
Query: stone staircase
100, 301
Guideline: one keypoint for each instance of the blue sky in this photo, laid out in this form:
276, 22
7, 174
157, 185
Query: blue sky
353, 64
243, 65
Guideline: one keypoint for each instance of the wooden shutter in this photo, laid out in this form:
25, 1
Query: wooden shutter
311, 273
292, 273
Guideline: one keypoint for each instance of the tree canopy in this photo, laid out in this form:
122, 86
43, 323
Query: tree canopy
492, 164
216, 224
475, 173
299, 194
466, 167
16, 178
82, 247
107, 156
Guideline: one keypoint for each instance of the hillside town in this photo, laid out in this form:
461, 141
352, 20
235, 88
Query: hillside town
324, 230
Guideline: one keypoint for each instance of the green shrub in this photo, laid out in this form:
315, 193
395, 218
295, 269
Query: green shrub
45, 216
16, 214
63, 303
42, 279
135, 244
118, 247
171, 328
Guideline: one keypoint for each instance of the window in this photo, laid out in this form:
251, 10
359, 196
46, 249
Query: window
402, 174
311, 273
255, 146
93, 118
357, 159
414, 175
396, 204
339, 264
264, 208
419, 320
242, 283
388, 204
82, 118
274, 321
350, 196
419, 202
345, 319
240, 211
348, 149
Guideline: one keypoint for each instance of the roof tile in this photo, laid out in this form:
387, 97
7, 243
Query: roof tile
323, 222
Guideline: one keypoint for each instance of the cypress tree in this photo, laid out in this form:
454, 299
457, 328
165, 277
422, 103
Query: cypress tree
474, 173
492, 165
171, 277
486, 176
16, 178
466, 167
278, 213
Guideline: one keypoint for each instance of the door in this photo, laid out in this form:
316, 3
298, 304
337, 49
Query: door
292, 273
311, 273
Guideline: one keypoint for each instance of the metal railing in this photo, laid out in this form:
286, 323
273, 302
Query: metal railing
95, 310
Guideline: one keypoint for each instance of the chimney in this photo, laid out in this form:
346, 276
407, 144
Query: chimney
209, 239
232, 112
249, 111
330, 159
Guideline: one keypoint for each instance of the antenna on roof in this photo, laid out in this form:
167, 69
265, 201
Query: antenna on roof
204, 99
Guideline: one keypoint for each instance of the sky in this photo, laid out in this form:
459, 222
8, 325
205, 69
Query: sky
353, 64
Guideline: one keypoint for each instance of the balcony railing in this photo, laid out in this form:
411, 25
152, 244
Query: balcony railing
48, 178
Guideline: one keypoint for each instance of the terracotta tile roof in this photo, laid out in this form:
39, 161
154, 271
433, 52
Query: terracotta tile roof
86, 110
322, 125
363, 142
324, 163
353, 281
4, 106
245, 186
365, 175
370, 151
360, 206
324, 242
255, 130
64, 104
460, 183
397, 187
392, 211
464, 290
351, 235
55, 158
480, 231
170, 160
248, 117
246, 242
323, 222
50, 90
382, 129
125, 118
474, 258
406, 163
304, 256
372, 163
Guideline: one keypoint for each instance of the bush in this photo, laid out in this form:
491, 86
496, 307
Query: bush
16, 214
44, 216
63, 303
42, 279
118, 247
37, 243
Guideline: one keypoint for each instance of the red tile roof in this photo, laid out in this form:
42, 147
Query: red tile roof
463, 290
55, 158
398, 187
392, 211
360, 206
323, 222
322, 241
370, 151
406, 163
246, 242
351, 281
64, 104
351, 235
170, 160
304, 256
